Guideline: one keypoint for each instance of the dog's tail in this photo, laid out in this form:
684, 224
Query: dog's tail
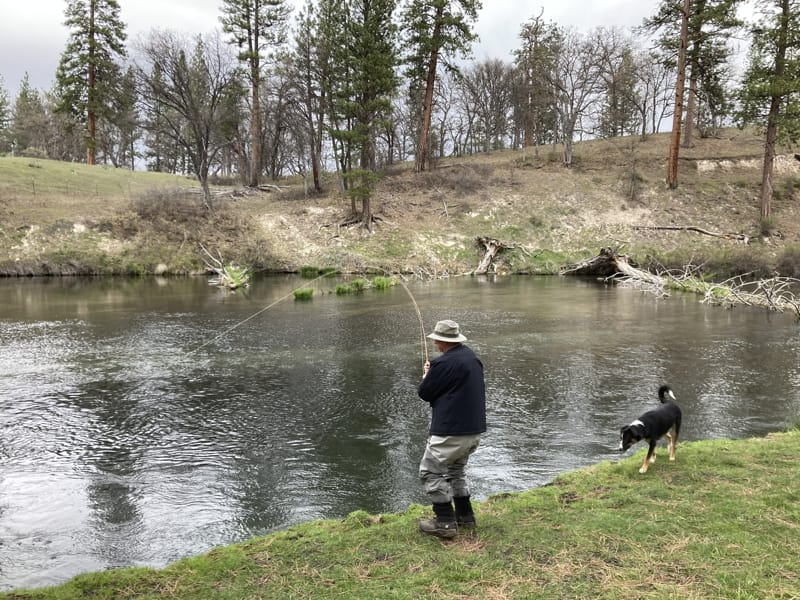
665, 394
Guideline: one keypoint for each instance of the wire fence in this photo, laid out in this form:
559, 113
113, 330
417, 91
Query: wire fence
85, 188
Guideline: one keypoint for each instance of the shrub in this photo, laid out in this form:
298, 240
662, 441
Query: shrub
359, 285
767, 225
303, 293
382, 283
308, 272
343, 289
789, 262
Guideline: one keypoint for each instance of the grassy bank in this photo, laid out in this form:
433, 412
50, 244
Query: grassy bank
720, 522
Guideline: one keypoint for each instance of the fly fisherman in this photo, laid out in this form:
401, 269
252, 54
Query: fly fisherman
453, 384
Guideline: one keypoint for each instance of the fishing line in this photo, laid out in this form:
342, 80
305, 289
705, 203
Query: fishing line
282, 298
255, 314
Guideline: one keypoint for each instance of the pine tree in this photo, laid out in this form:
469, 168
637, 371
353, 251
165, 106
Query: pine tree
121, 129
619, 114
770, 96
436, 30
254, 26
694, 34
5, 118
360, 82
533, 97
305, 65
88, 73
28, 121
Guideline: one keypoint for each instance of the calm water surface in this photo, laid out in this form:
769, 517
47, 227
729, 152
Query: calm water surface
137, 427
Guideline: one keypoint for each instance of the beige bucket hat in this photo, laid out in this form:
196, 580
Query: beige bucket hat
447, 331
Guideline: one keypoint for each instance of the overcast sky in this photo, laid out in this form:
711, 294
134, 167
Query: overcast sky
32, 34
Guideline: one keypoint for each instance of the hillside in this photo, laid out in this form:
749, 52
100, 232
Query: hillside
60, 218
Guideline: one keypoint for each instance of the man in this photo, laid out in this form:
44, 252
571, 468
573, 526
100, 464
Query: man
453, 384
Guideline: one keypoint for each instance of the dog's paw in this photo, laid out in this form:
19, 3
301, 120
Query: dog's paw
672, 459
643, 470
652, 459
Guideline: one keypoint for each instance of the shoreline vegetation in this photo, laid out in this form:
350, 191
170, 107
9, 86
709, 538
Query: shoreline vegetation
507, 212
719, 522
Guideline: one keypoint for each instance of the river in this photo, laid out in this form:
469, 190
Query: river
145, 420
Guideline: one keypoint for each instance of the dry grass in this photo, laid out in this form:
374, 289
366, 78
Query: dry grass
428, 222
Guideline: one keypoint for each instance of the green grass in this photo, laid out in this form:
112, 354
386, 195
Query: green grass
343, 288
304, 293
49, 189
720, 522
383, 283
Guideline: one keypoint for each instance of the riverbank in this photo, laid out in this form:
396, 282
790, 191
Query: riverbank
719, 522
66, 219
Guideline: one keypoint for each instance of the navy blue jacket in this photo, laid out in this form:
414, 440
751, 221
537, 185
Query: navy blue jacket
455, 388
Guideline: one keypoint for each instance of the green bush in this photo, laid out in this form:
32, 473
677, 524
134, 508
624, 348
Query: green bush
359, 285
308, 272
382, 283
343, 288
303, 293
789, 262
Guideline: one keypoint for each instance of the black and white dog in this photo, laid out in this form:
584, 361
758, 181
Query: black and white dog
652, 426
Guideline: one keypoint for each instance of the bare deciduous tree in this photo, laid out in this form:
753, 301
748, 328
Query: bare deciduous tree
196, 89
576, 82
488, 87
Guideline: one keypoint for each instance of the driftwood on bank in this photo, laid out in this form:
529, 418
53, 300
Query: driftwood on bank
610, 263
228, 276
739, 237
491, 247
775, 293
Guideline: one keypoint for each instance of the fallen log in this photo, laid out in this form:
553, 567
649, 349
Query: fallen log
775, 293
609, 263
739, 237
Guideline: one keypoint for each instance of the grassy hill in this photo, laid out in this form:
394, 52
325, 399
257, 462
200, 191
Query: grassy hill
71, 218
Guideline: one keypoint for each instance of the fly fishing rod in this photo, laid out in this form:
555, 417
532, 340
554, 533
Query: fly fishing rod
399, 278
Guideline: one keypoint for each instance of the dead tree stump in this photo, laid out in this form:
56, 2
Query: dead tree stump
491, 247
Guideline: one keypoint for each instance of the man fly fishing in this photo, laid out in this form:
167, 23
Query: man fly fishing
453, 384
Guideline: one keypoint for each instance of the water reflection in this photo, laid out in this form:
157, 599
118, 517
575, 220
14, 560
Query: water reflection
133, 433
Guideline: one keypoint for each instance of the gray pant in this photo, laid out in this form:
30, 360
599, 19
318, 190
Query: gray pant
442, 467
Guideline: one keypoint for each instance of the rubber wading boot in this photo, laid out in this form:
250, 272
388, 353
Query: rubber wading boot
464, 516
444, 525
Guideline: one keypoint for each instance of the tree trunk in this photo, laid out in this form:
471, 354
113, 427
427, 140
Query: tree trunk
568, 150
366, 214
774, 114
91, 121
691, 103
675, 142
423, 149
91, 115
769, 160
255, 118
